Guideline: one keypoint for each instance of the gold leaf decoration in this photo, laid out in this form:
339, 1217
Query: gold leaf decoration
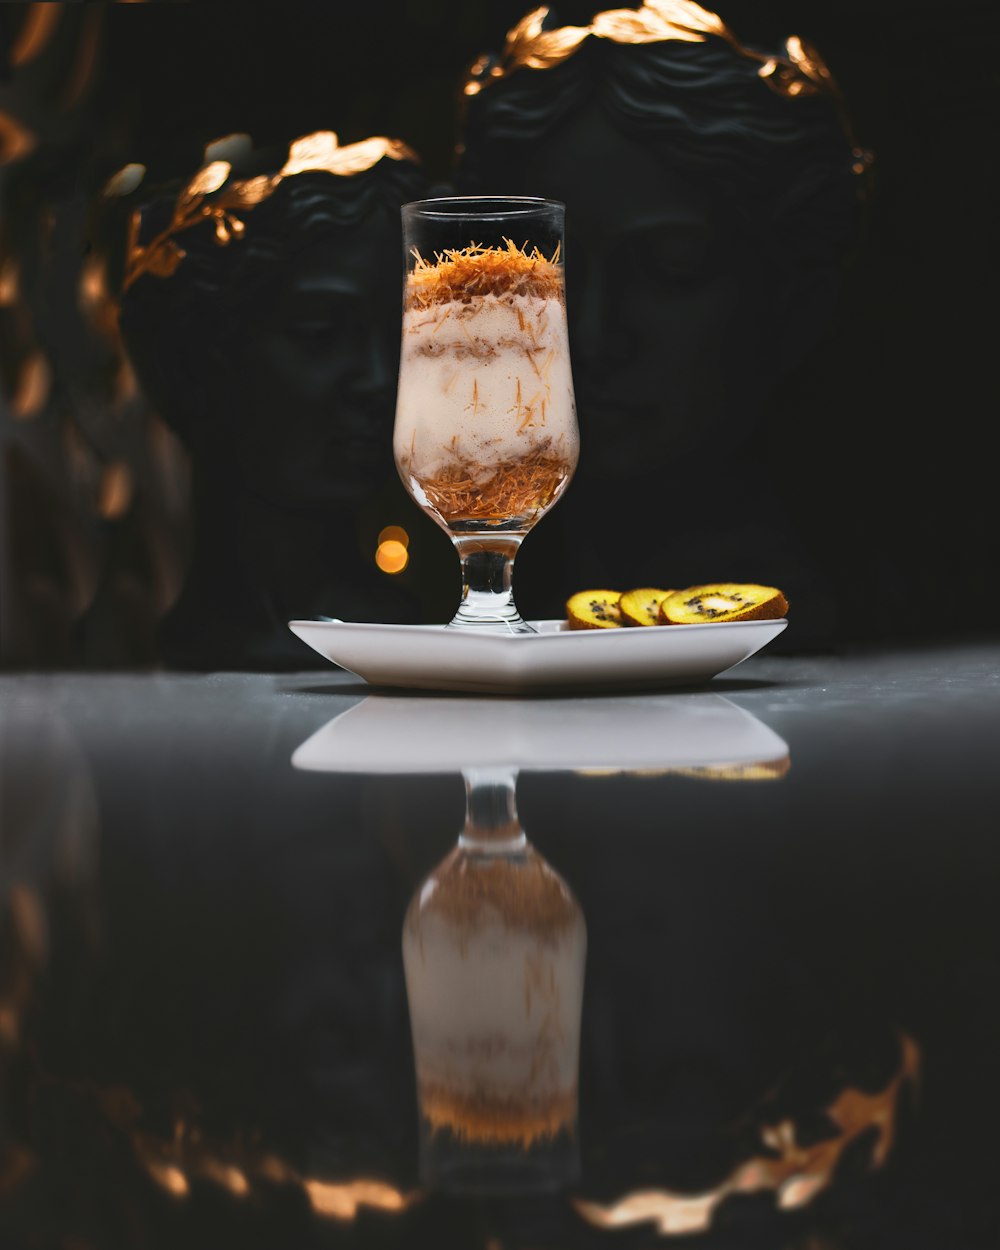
207, 180
529, 46
319, 151
794, 1171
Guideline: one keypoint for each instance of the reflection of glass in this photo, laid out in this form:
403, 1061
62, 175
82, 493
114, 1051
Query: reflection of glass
493, 941
493, 946
486, 436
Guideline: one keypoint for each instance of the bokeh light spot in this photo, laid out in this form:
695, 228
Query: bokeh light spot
394, 534
391, 556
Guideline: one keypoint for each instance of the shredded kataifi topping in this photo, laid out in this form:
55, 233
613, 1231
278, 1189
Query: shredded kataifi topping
471, 272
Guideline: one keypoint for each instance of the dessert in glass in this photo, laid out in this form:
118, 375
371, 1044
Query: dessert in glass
494, 948
486, 437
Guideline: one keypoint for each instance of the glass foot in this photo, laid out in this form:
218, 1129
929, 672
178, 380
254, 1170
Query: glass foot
487, 599
491, 623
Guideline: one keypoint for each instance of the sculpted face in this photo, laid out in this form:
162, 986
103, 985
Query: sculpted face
275, 356
309, 387
689, 302
657, 284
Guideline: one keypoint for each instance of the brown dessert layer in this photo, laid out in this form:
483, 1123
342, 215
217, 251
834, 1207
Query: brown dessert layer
472, 272
518, 487
477, 347
527, 895
485, 1119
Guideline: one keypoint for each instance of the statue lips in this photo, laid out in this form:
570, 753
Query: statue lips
342, 467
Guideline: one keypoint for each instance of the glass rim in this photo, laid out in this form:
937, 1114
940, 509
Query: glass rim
493, 206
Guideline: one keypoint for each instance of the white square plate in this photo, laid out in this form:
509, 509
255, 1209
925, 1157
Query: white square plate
555, 660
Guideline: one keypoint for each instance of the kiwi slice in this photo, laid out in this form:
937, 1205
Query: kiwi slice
594, 609
723, 601
642, 606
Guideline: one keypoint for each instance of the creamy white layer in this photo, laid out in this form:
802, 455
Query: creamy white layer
495, 1013
484, 383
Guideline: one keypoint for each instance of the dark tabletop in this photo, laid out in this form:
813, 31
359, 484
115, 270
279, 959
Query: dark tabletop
790, 1012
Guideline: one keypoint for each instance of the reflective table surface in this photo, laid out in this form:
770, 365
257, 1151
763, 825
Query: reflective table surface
289, 962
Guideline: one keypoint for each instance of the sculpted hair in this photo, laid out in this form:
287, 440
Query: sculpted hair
702, 108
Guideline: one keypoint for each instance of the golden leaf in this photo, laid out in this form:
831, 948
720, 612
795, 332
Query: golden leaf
163, 259
206, 180
320, 151
311, 152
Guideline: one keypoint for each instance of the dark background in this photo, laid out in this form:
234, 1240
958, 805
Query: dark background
883, 443
880, 839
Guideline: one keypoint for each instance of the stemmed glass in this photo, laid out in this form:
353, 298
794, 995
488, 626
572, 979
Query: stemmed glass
486, 437
494, 949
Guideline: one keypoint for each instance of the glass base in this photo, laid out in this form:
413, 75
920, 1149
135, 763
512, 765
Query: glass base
491, 623
455, 1166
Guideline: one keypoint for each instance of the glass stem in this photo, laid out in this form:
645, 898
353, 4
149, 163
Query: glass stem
491, 820
487, 574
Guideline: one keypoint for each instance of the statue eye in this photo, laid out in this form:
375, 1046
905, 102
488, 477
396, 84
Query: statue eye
317, 328
675, 253
315, 319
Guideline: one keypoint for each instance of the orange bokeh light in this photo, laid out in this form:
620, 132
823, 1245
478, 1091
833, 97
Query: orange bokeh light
396, 534
391, 556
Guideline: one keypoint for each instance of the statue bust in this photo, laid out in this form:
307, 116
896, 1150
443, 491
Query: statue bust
261, 314
712, 194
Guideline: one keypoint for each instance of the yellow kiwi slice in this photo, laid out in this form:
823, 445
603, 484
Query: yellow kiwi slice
594, 609
723, 601
642, 606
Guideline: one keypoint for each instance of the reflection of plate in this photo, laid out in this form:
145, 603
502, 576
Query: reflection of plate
432, 657
400, 734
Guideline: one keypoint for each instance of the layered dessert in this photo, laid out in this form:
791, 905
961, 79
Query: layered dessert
486, 430
494, 959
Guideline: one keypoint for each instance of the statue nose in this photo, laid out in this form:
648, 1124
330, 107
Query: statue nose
376, 370
599, 335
